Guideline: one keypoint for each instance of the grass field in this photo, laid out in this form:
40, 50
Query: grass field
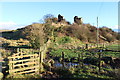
115, 47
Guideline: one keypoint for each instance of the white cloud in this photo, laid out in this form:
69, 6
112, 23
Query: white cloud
10, 25
114, 27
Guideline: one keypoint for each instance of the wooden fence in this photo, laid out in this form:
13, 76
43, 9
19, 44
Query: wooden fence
21, 63
80, 60
89, 46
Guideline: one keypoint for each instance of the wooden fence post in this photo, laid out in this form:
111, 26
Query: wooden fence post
82, 58
86, 46
99, 63
10, 66
79, 59
40, 61
63, 56
1, 60
18, 50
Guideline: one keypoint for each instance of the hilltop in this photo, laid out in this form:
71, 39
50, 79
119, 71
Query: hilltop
59, 27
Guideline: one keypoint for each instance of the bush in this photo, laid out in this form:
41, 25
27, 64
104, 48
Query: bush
64, 40
115, 73
35, 43
48, 28
60, 29
118, 36
5, 53
36, 35
78, 31
110, 38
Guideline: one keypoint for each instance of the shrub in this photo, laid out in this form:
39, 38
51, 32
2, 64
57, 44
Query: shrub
110, 38
36, 35
115, 73
78, 31
118, 36
48, 29
5, 53
35, 43
64, 40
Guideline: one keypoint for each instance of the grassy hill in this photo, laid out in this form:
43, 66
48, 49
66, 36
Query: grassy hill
65, 43
62, 33
84, 32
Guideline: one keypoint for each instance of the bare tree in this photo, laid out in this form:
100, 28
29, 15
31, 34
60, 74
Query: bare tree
48, 18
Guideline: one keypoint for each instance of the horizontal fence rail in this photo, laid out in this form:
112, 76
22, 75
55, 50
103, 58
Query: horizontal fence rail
21, 63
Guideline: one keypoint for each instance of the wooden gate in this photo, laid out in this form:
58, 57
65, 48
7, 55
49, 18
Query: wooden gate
21, 63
